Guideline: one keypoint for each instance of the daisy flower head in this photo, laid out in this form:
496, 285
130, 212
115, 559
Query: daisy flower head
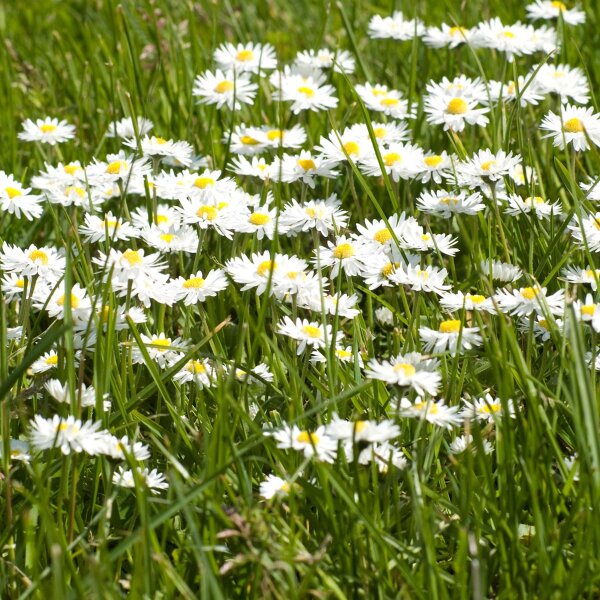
535, 205
436, 412
345, 253
414, 237
451, 336
318, 444
198, 286
324, 215
445, 204
341, 61
70, 435
153, 480
384, 455
47, 362
17, 199
379, 98
44, 261
306, 333
362, 431
350, 144
408, 370
47, 131
384, 236
395, 27
428, 279
563, 80
579, 276
525, 90
117, 168
542, 327
60, 392
435, 167
500, 271
304, 167
447, 36
454, 110
274, 486
304, 92
162, 350
245, 58
199, 372
588, 311
573, 125
512, 40
487, 408
54, 300
180, 153
462, 443
554, 9
224, 89
472, 302
174, 239
527, 300
587, 233
260, 221
125, 128
400, 161
485, 168
108, 228
343, 354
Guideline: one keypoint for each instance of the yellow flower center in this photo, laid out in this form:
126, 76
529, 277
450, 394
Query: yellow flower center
224, 86
360, 426
341, 353
529, 293
433, 161
432, 410
305, 437
312, 331
160, 219
70, 189
391, 158
487, 165
20, 283
559, 5
382, 236
52, 360
457, 106
203, 182
406, 369
244, 55
588, 309
389, 269
259, 218
265, 267
74, 301
307, 164
449, 199
508, 34
209, 213
64, 426
160, 140
426, 237
343, 251
380, 132
476, 298
195, 367
114, 168
543, 323
422, 274
71, 169
163, 343
573, 125
274, 134
12, 192
389, 101
38, 255
248, 140
454, 31
47, 128
351, 148
450, 326
193, 283
167, 237
132, 257
490, 408
307, 91
534, 200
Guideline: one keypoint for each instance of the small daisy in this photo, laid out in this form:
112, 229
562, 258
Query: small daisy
587, 276
587, 234
429, 279
448, 336
153, 480
200, 372
563, 80
395, 27
453, 111
306, 333
446, 204
125, 129
473, 302
436, 412
345, 253
462, 443
224, 89
161, 349
16, 199
48, 131
500, 271
554, 9
245, 58
108, 228
198, 287
487, 408
447, 36
323, 215
70, 435
588, 312
536, 205
274, 486
341, 61
305, 93
317, 444
524, 301
574, 125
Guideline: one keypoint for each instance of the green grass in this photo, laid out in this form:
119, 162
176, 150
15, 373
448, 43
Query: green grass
445, 527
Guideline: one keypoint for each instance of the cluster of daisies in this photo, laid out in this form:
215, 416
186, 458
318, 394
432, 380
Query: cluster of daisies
151, 214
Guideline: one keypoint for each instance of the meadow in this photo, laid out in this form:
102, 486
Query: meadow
299, 300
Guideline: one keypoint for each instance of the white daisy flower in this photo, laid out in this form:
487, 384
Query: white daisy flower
317, 444
587, 276
451, 337
274, 486
70, 435
525, 90
454, 110
307, 333
199, 372
500, 271
379, 98
125, 129
554, 9
447, 36
108, 228
462, 443
542, 327
180, 152
224, 89
395, 27
400, 161
436, 412
44, 261
533, 204
527, 300
323, 215
46, 362
383, 454
162, 350
384, 315
573, 125
513, 40
446, 204
362, 431
565, 81
587, 234
245, 58
16, 199
304, 167
341, 61
175, 239
428, 279
345, 253
153, 480
198, 287
454, 301
48, 131
487, 408
588, 312
305, 93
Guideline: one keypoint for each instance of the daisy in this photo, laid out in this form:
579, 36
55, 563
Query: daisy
317, 444
454, 110
500, 271
488, 408
563, 80
44, 261
305, 93
362, 431
19, 450
592, 189
16, 199
198, 287
118, 168
345, 253
153, 480
351, 144
429, 279
435, 167
463, 443
70, 435
200, 372
256, 376
384, 236
304, 167
533, 204
179, 152
446, 204
383, 454
381, 99
587, 234
524, 90
323, 215
408, 370
261, 221
542, 327
245, 58
472, 302
85, 395
274, 486
588, 312
435, 412
120, 449
53, 301
305, 332
174, 239
48, 131
384, 316
395, 27
128, 265
162, 350
256, 167
447, 36
486, 168
400, 161
344, 355
124, 128
447, 337
108, 228
224, 89
338, 304
282, 138
341, 61
46, 362
553, 9
513, 40
574, 125
414, 237
524, 301
587, 276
